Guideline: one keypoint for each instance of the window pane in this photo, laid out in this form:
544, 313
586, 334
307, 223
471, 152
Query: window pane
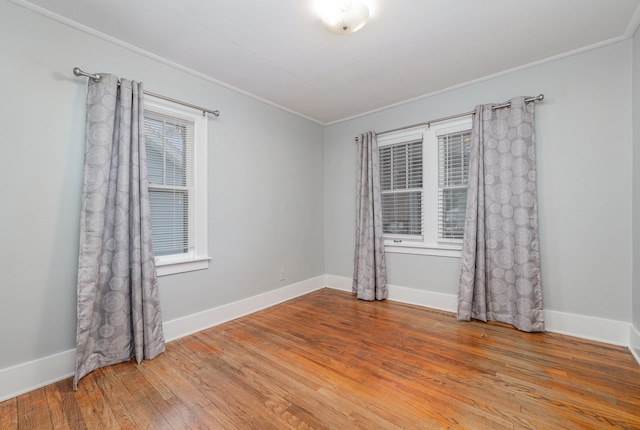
454, 205
175, 156
385, 167
169, 221
454, 158
166, 152
153, 137
402, 213
401, 166
415, 165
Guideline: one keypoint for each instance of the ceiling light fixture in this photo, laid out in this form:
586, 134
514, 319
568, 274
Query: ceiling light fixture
343, 16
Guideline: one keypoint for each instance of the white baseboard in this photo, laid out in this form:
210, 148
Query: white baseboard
194, 323
585, 327
338, 283
428, 299
634, 342
35, 374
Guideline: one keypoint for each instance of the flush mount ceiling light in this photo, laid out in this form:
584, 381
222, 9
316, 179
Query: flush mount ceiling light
343, 16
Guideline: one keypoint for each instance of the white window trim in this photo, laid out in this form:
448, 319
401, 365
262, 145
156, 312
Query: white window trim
197, 258
430, 244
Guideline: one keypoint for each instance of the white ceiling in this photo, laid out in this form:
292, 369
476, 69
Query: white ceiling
278, 51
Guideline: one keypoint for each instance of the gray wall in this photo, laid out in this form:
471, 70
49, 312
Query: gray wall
636, 180
265, 185
584, 178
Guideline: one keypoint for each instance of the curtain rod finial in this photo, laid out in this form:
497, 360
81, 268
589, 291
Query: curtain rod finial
79, 72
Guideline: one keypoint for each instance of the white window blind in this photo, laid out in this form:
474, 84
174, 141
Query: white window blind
169, 147
401, 188
453, 172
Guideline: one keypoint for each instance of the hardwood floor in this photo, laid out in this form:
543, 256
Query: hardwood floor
329, 361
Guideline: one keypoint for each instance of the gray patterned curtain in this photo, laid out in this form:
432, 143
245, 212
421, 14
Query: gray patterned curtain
118, 305
500, 274
369, 272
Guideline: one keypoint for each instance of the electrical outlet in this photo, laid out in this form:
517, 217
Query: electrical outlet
282, 274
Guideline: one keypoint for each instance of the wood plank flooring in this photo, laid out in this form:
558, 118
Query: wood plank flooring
329, 361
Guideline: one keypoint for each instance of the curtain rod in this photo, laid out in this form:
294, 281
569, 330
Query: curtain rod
538, 98
79, 72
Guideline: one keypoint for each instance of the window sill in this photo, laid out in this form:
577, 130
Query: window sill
423, 250
172, 267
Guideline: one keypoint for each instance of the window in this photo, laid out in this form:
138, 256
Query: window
176, 147
453, 172
423, 184
401, 188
